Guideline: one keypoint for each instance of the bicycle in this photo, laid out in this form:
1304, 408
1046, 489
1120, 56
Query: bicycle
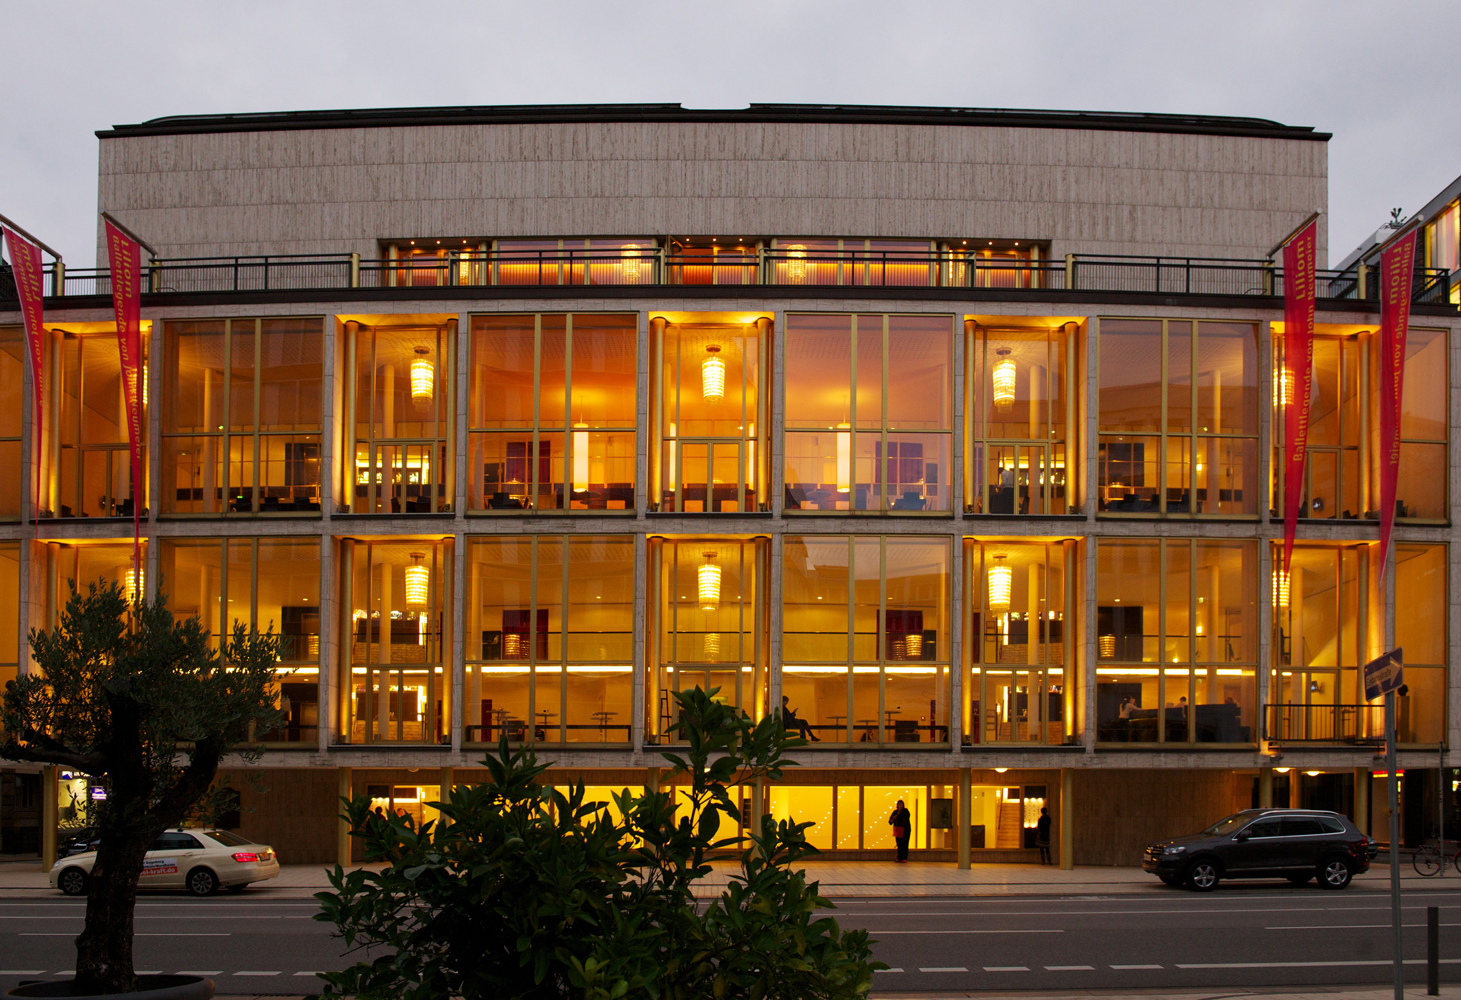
1429, 860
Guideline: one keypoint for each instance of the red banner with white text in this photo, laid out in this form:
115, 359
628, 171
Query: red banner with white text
125, 257
25, 263
1295, 378
1397, 270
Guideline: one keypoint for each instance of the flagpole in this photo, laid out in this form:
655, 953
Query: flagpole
20, 230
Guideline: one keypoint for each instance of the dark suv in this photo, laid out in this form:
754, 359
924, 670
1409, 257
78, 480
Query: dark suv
1296, 844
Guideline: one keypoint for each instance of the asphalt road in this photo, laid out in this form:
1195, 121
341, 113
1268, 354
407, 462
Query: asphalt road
1240, 935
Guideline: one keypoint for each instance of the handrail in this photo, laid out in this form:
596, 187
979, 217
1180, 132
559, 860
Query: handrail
1300, 723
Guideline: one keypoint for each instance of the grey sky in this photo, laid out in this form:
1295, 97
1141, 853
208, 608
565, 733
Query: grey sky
1382, 77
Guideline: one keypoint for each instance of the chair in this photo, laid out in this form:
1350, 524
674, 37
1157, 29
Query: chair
906, 731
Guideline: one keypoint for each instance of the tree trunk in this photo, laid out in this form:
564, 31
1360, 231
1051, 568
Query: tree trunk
104, 948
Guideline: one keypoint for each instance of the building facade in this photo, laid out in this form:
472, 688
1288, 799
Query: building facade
951, 434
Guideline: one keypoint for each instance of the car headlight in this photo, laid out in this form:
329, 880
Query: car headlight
1174, 850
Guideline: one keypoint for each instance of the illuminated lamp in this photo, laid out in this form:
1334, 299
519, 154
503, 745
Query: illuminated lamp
712, 376
418, 581
709, 584
423, 378
1280, 588
630, 262
133, 583
1106, 647
1004, 381
1283, 385
844, 458
710, 646
1001, 582
312, 647
513, 647
913, 643
796, 267
580, 458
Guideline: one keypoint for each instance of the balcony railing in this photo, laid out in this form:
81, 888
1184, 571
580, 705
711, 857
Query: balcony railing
1357, 724
655, 266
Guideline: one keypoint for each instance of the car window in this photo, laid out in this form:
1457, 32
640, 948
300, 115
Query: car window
1227, 825
175, 842
1297, 826
1263, 828
1329, 824
228, 839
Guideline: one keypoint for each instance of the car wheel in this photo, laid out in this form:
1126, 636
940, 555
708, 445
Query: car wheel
1335, 873
72, 882
202, 882
237, 888
1300, 879
1203, 875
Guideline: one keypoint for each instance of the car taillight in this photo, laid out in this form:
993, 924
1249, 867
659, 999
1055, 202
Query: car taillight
245, 857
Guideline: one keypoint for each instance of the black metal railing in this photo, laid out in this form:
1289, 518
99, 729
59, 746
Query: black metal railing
1292, 723
654, 266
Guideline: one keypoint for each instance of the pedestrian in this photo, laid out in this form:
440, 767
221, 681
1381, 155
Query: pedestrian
902, 823
1042, 835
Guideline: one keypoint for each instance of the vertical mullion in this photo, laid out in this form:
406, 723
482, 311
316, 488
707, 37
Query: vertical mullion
530, 736
563, 570
570, 450
532, 476
882, 613
1162, 449
1192, 658
851, 627
1162, 630
258, 396
1192, 450
887, 464
851, 438
225, 423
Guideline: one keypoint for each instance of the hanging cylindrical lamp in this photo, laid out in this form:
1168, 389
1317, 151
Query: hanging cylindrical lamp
1280, 588
629, 262
844, 457
710, 647
712, 375
1004, 376
1106, 647
913, 643
580, 458
418, 581
1283, 385
1001, 584
796, 266
514, 647
132, 585
423, 378
709, 584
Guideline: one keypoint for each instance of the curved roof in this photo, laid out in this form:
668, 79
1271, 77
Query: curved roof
834, 114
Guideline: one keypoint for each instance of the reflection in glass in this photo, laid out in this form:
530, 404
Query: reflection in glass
93, 471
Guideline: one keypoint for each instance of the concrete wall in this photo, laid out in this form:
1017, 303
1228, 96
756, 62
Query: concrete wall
1117, 813
338, 190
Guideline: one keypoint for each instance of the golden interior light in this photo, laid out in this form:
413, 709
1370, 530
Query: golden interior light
1280, 588
580, 458
1001, 583
1106, 647
418, 581
630, 262
709, 584
710, 646
796, 266
513, 647
133, 582
1004, 381
913, 643
423, 378
844, 457
1283, 385
712, 375
312, 647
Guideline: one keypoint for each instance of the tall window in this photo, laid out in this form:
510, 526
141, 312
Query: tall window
1175, 640
1178, 417
400, 426
1443, 239
1337, 481
9, 611
821, 261
550, 639
268, 584
865, 637
869, 412
631, 260
1020, 421
552, 412
1420, 492
399, 596
242, 416
93, 467
1421, 607
711, 416
1324, 628
1021, 682
81, 564
12, 405
709, 602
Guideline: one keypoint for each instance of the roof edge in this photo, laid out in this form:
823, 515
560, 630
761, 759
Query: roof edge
831, 114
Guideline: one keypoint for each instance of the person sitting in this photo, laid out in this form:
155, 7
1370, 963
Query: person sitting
789, 721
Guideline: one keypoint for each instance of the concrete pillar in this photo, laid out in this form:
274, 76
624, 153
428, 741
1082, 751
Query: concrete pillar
1067, 818
965, 817
1362, 799
443, 793
758, 803
1265, 787
1295, 792
50, 815
342, 828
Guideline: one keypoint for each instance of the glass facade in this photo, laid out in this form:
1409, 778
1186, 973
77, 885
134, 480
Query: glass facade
1339, 476
550, 639
1421, 605
92, 475
242, 416
1420, 489
865, 638
1178, 424
869, 412
12, 406
1176, 640
552, 413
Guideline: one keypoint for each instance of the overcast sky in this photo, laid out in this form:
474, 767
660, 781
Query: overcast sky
1382, 77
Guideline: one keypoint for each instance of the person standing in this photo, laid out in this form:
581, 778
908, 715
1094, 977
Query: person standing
1042, 835
902, 823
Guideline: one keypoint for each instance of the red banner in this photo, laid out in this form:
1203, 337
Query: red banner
126, 268
1295, 379
25, 262
1397, 269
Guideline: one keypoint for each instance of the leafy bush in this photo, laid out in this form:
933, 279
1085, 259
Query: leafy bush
522, 891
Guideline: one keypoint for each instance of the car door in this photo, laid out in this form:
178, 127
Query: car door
160, 864
1302, 842
1254, 847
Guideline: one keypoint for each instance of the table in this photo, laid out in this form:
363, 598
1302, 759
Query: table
602, 718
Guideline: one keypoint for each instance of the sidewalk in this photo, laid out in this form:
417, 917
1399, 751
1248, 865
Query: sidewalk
1417, 990
837, 878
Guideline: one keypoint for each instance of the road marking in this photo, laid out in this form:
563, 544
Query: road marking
1128, 967
1309, 965
42, 934
990, 930
1069, 968
149, 972
200, 972
182, 934
877, 970
275, 973
1006, 968
951, 968
321, 973
1344, 927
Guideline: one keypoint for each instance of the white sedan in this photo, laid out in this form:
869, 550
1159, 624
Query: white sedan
201, 861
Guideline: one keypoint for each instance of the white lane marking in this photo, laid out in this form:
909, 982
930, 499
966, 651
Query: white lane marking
149, 972
877, 970
951, 968
1069, 968
320, 973
989, 930
1343, 927
182, 934
200, 972
1006, 968
42, 934
275, 973
1127, 967
67, 972
188, 917
1123, 913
